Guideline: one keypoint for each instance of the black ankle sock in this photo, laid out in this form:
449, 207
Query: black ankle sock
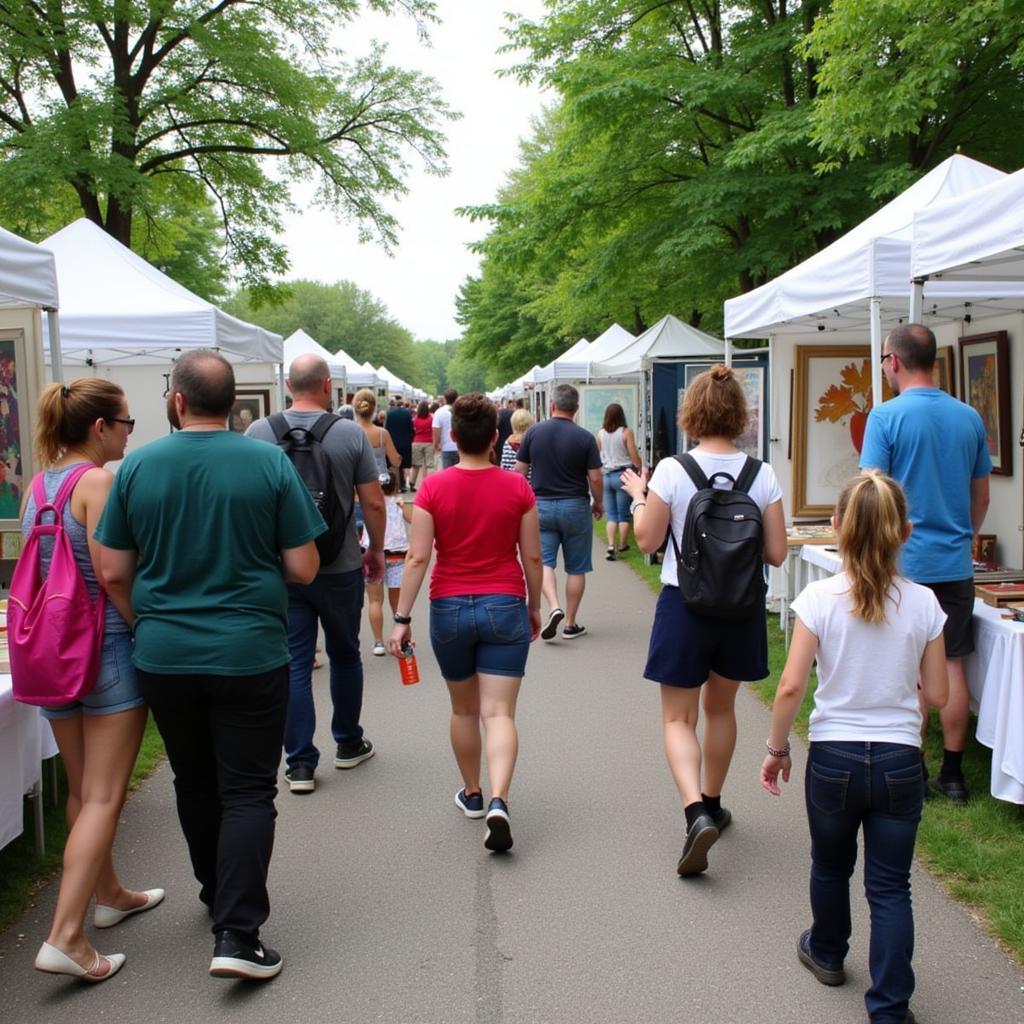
693, 812
951, 768
712, 804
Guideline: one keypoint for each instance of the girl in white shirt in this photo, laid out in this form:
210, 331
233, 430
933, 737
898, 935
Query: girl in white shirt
875, 635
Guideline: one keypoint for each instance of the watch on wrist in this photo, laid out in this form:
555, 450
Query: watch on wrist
634, 505
403, 620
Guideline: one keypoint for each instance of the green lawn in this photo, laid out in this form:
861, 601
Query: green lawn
977, 851
22, 873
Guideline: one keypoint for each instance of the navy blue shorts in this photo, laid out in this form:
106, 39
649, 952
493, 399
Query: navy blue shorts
487, 633
685, 647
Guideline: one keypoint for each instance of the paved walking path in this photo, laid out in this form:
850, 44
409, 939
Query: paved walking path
388, 910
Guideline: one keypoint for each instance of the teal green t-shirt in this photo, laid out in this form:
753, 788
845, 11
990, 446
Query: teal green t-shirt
209, 513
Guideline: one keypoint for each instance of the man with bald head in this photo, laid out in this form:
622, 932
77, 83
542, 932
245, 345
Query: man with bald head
937, 449
335, 597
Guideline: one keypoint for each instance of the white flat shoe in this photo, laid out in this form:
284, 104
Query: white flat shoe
51, 960
107, 917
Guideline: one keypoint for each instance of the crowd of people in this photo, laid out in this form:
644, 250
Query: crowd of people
216, 634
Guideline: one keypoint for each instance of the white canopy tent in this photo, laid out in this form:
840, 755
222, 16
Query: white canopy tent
608, 344
669, 338
299, 343
118, 309
393, 383
570, 365
359, 375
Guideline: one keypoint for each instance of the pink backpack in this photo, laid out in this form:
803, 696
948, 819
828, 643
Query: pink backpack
54, 629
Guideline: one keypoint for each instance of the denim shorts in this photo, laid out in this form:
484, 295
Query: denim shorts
116, 689
487, 633
685, 646
566, 523
616, 500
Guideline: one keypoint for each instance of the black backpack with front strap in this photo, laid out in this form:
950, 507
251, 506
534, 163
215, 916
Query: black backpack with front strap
720, 563
304, 447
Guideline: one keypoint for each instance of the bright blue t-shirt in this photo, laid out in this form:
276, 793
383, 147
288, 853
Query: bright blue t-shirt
934, 445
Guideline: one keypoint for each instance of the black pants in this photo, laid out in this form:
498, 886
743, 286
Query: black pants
223, 736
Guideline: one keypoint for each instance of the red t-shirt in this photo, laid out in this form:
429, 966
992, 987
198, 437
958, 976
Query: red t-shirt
477, 514
422, 429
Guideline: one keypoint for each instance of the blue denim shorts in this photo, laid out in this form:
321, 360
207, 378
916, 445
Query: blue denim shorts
487, 633
566, 523
116, 689
616, 500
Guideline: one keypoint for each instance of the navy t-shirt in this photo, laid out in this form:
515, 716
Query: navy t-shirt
559, 454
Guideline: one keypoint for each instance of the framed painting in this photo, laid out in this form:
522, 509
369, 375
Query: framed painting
19, 386
250, 404
831, 402
985, 387
943, 372
595, 398
752, 380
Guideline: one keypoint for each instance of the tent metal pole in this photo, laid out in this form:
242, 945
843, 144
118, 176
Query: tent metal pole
876, 351
728, 352
916, 299
56, 364
280, 384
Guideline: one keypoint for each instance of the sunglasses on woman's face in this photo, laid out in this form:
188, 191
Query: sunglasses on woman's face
130, 424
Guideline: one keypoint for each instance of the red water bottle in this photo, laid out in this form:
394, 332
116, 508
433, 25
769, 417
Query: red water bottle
408, 667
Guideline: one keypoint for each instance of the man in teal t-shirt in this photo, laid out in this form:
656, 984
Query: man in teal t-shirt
937, 449
203, 529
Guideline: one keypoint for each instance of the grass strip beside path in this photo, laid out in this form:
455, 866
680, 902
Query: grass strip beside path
22, 873
977, 851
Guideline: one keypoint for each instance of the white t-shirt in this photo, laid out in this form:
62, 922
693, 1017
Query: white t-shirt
443, 422
868, 671
673, 485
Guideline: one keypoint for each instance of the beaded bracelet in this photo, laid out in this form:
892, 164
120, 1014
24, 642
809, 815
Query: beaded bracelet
784, 752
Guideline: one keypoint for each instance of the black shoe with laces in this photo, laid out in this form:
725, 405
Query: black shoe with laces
235, 957
825, 974
700, 837
348, 755
722, 818
300, 778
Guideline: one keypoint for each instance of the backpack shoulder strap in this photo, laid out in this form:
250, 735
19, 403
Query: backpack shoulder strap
693, 470
279, 425
63, 495
322, 425
747, 475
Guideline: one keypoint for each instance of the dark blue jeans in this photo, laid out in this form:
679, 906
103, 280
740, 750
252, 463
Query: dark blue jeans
877, 786
336, 600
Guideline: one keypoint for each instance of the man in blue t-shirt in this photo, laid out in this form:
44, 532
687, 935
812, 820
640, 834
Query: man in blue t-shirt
565, 471
936, 447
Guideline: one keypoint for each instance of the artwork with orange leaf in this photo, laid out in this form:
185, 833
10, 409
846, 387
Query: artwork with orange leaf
832, 399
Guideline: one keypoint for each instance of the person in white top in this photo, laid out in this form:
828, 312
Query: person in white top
690, 652
618, 451
443, 440
875, 636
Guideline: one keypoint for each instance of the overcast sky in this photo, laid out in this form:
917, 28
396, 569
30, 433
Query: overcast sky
420, 282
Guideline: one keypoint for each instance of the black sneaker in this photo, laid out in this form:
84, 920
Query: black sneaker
954, 790
234, 957
700, 837
300, 778
722, 818
351, 754
551, 626
571, 632
499, 827
826, 975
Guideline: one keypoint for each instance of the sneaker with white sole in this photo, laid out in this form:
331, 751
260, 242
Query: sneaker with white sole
551, 626
300, 778
379, 650
234, 957
499, 827
571, 632
471, 804
349, 755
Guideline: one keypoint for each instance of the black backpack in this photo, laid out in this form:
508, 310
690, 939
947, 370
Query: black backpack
305, 449
721, 565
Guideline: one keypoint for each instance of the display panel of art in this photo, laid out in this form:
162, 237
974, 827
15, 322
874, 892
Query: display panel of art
831, 402
985, 386
250, 404
595, 398
13, 471
943, 372
752, 380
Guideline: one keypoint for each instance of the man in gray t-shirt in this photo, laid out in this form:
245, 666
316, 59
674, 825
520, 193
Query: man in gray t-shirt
335, 597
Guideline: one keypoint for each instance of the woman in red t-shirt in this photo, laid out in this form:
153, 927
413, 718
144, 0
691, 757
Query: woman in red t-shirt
422, 443
483, 524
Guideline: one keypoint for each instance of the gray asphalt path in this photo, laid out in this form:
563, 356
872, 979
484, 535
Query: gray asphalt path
388, 910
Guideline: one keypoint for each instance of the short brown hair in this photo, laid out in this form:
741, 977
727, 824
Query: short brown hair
66, 412
714, 405
474, 423
915, 346
206, 381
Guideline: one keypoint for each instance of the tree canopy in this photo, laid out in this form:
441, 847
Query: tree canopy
124, 104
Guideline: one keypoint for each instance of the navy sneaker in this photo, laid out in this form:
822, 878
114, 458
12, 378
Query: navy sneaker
826, 975
472, 804
499, 827
234, 957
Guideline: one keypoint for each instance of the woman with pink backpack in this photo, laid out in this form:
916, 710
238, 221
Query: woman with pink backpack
81, 427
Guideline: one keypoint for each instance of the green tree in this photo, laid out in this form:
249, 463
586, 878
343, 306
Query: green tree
110, 97
431, 366
464, 373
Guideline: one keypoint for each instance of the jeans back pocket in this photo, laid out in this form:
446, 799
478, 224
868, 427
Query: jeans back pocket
444, 622
827, 787
905, 788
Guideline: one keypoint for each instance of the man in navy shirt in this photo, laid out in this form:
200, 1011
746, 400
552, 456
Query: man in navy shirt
566, 477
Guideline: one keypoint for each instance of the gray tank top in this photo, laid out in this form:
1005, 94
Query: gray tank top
380, 455
76, 531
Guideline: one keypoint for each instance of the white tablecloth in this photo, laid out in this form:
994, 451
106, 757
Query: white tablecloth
25, 740
995, 677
